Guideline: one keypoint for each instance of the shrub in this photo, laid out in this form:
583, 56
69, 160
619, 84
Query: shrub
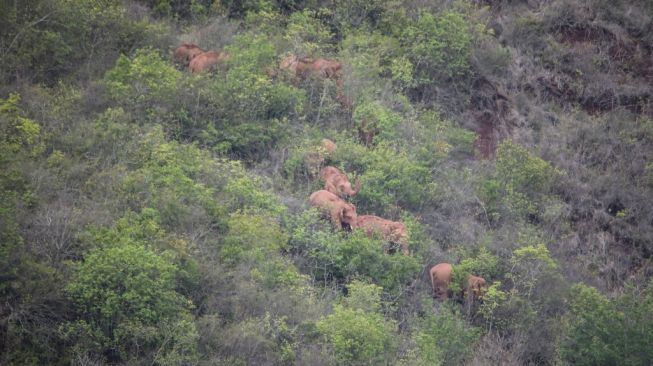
125, 296
594, 321
359, 336
143, 81
444, 339
438, 46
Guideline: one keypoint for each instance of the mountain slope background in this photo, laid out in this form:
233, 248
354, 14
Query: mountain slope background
153, 216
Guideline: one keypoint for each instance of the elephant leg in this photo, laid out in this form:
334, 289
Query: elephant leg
335, 218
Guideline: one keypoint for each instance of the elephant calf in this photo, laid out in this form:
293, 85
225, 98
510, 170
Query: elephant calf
441, 277
392, 231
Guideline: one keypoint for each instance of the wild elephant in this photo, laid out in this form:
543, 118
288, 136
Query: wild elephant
391, 231
205, 61
185, 52
336, 182
342, 214
441, 275
303, 67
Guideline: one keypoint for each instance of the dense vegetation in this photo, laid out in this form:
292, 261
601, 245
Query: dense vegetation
153, 216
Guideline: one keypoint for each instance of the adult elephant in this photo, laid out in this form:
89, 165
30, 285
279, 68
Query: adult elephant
315, 159
303, 67
391, 231
337, 182
441, 278
342, 214
206, 60
185, 52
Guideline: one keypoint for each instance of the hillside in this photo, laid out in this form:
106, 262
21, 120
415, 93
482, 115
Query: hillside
155, 210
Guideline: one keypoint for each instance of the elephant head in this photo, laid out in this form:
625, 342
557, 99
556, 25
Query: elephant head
341, 213
476, 286
185, 52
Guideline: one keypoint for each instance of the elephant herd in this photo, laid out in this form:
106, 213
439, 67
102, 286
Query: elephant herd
331, 200
197, 60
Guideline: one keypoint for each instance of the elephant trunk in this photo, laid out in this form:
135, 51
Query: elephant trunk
357, 188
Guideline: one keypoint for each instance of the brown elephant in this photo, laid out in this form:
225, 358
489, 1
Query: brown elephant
328, 146
392, 231
476, 286
441, 277
342, 214
317, 156
301, 68
207, 60
185, 52
337, 182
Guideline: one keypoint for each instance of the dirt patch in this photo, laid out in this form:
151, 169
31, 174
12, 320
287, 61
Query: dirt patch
491, 110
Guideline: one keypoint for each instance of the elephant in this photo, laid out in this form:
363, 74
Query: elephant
317, 156
337, 182
392, 231
342, 214
206, 60
185, 52
477, 285
328, 146
441, 277
301, 68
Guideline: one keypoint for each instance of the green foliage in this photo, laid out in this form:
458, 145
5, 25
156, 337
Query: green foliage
246, 109
601, 331
47, 39
521, 181
368, 55
444, 339
252, 238
179, 179
307, 34
374, 116
17, 132
438, 46
180, 8
390, 178
483, 264
493, 298
143, 81
359, 336
125, 296
529, 265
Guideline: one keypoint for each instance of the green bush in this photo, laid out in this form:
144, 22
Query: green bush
595, 321
127, 306
143, 81
519, 185
56, 39
444, 339
357, 335
438, 46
